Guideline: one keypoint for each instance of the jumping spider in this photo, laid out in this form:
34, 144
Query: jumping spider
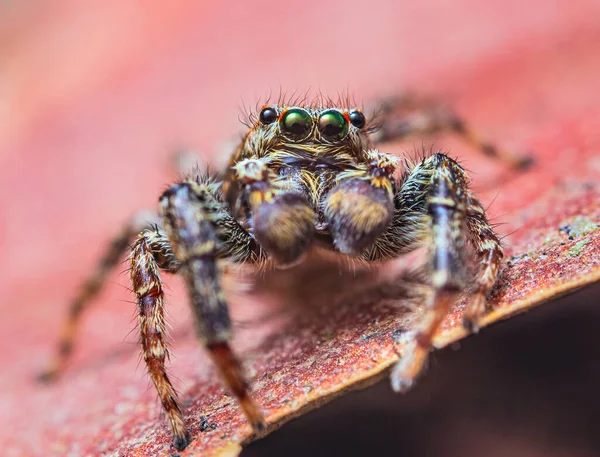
306, 174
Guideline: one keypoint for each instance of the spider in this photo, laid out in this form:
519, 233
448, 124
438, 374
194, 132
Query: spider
306, 174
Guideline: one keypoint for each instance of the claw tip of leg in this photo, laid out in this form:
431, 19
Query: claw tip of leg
259, 426
46, 377
401, 385
470, 325
181, 442
525, 162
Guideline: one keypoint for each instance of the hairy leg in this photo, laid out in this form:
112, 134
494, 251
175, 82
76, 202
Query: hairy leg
488, 255
408, 115
200, 231
443, 203
90, 289
183, 162
147, 253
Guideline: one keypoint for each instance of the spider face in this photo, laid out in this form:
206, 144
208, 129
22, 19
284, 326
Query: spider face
304, 149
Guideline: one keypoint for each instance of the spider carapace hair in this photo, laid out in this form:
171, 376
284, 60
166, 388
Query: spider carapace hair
305, 176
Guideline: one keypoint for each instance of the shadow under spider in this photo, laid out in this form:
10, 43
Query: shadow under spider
322, 293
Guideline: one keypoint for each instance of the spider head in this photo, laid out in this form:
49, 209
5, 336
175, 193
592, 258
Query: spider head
320, 136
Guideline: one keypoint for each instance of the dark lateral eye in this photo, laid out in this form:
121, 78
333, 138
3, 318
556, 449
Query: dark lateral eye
358, 119
296, 123
268, 115
333, 125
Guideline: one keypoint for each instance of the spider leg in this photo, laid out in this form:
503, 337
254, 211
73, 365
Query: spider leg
200, 231
146, 255
438, 189
488, 254
89, 289
408, 115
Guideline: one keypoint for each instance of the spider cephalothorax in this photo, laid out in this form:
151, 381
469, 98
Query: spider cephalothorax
303, 176
291, 159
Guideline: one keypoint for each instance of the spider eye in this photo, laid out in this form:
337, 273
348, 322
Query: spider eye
358, 119
296, 123
268, 115
333, 125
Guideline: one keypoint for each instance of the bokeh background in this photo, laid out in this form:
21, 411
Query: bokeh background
95, 98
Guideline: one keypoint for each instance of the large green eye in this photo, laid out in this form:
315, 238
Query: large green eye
333, 125
296, 123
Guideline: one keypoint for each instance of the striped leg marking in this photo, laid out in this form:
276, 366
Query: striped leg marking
445, 207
